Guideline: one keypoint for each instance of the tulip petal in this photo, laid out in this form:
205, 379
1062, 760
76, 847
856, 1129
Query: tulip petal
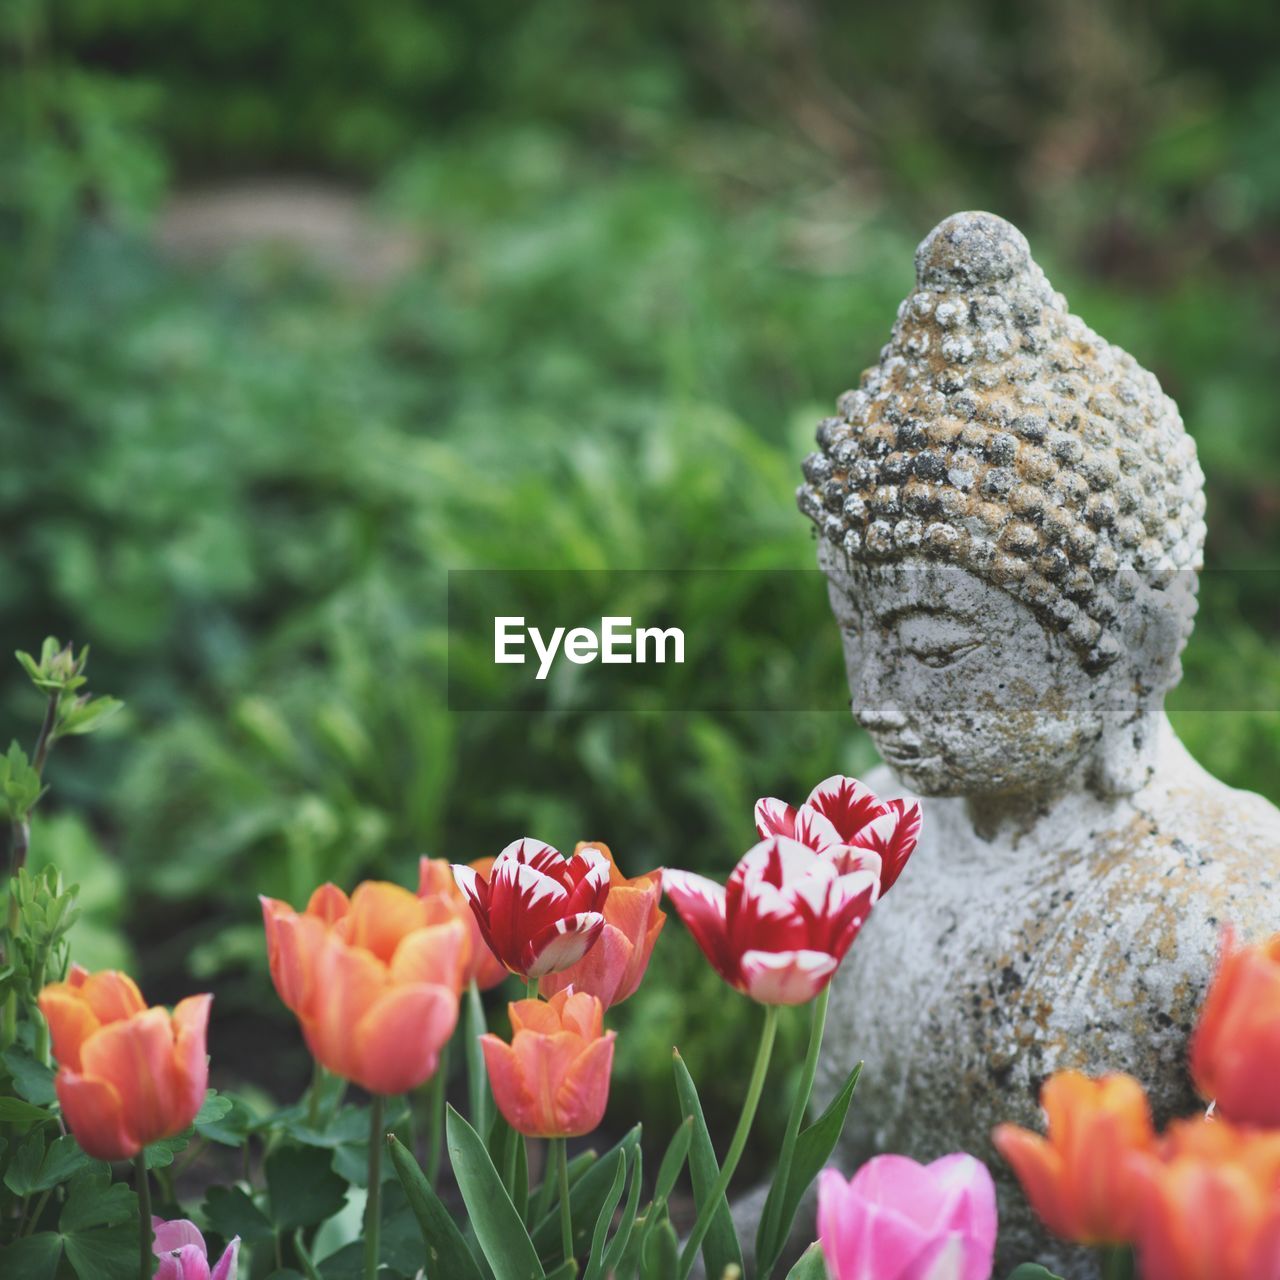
187, 1263
381, 915
398, 1042
226, 1266
511, 1091
112, 996
786, 977
897, 846
71, 1022
600, 972
584, 1090
137, 1057
437, 954
561, 944
190, 1060
701, 904
847, 803
169, 1237
774, 818
1040, 1170
93, 1112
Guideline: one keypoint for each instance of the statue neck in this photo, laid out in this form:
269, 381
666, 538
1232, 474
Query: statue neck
1097, 792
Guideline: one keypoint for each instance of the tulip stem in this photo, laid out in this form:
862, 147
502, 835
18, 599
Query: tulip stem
146, 1258
373, 1205
710, 1205
566, 1212
799, 1109
435, 1116
531, 989
1117, 1262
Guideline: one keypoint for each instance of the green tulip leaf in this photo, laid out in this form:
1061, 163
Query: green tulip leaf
502, 1235
586, 1196
622, 1236
595, 1262
810, 1267
814, 1146
720, 1249
447, 1252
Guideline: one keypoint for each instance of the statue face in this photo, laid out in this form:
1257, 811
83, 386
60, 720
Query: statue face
963, 690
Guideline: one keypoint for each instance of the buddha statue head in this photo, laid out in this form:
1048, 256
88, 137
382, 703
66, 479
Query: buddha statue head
1010, 517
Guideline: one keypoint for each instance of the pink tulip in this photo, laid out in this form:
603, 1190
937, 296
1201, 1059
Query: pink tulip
899, 1220
183, 1256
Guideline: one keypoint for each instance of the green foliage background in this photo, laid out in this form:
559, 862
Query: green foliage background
654, 243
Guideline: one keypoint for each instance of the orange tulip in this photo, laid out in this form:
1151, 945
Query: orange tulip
1235, 1049
435, 880
552, 1080
1078, 1178
127, 1075
612, 969
373, 979
1209, 1204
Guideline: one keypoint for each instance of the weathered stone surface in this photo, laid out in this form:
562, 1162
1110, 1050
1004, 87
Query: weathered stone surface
1011, 520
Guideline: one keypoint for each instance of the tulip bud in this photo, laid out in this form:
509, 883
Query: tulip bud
373, 980
899, 1220
538, 911
184, 1256
128, 1075
1209, 1203
614, 966
1078, 1179
552, 1080
1235, 1049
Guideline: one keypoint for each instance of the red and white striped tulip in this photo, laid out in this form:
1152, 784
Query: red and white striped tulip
780, 927
539, 911
847, 821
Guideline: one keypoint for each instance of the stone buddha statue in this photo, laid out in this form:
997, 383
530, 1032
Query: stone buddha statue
1010, 518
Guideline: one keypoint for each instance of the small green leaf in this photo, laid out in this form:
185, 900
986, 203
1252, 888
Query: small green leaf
501, 1233
479, 1096
63, 1161
15, 1111
35, 1258
813, 1148
32, 1080
622, 1237
661, 1258
447, 1252
104, 1255
720, 1249
24, 1166
93, 1200
673, 1161
87, 715
231, 1212
586, 1196
810, 1267
302, 1190
604, 1218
